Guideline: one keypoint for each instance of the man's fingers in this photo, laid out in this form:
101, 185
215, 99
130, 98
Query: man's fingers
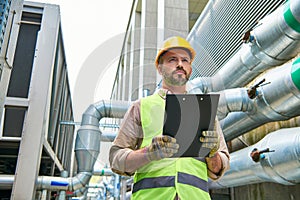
169, 151
172, 145
209, 133
209, 145
167, 138
164, 141
209, 139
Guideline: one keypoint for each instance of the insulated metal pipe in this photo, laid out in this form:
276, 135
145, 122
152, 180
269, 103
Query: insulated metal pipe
279, 100
276, 40
6, 181
88, 138
273, 167
86, 147
231, 100
281, 166
234, 100
54, 183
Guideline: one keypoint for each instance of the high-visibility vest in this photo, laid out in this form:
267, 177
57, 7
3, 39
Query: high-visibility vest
163, 179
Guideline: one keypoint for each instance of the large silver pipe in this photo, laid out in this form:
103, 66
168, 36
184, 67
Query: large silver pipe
6, 181
234, 100
281, 166
231, 100
55, 183
87, 147
276, 101
276, 40
275, 167
88, 138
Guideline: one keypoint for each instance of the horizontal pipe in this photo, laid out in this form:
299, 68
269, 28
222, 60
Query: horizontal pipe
108, 137
234, 100
281, 166
276, 101
276, 41
6, 181
58, 183
103, 172
86, 148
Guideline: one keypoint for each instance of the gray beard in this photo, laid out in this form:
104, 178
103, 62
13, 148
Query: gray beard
171, 80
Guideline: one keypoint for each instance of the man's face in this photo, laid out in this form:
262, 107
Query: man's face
175, 67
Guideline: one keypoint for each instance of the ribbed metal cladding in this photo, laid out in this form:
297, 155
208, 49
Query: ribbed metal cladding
218, 32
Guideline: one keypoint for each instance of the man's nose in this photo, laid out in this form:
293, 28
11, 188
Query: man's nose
180, 63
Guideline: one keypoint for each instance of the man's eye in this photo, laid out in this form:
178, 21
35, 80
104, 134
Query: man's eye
172, 60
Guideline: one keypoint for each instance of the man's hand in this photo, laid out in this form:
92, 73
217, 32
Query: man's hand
214, 165
161, 147
211, 140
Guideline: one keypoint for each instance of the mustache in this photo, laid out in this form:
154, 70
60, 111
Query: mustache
179, 69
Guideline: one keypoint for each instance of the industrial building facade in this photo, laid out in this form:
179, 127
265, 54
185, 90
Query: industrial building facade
35, 99
149, 24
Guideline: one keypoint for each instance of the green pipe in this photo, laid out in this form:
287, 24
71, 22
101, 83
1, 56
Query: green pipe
295, 73
290, 19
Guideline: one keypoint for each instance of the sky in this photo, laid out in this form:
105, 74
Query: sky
86, 25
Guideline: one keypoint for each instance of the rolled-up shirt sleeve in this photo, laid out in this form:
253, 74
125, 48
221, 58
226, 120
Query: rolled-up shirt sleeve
129, 138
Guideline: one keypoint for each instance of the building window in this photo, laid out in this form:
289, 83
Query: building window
13, 121
23, 61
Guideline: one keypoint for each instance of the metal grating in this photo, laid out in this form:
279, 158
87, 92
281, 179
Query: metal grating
217, 34
4, 12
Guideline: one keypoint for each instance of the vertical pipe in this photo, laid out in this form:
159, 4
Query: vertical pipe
117, 187
123, 188
62, 193
44, 195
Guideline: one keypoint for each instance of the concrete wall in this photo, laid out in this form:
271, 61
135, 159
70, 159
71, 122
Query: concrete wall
151, 22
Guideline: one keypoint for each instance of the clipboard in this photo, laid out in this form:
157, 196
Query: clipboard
186, 116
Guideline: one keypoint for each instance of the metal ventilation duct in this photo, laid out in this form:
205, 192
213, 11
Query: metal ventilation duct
281, 166
276, 101
218, 32
275, 40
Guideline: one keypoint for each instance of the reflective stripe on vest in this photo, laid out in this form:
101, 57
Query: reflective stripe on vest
147, 183
164, 178
169, 181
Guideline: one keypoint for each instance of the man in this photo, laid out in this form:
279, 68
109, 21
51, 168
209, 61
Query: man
141, 149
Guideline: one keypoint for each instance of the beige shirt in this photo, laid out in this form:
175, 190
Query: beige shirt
130, 138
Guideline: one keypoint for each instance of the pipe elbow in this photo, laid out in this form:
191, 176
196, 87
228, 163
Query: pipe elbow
79, 181
234, 100
91, 116
200, 85
82, 192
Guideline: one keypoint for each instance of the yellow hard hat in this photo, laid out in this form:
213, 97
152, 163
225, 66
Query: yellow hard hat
175, 42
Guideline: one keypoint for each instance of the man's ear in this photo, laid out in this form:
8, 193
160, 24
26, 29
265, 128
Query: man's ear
159, 69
